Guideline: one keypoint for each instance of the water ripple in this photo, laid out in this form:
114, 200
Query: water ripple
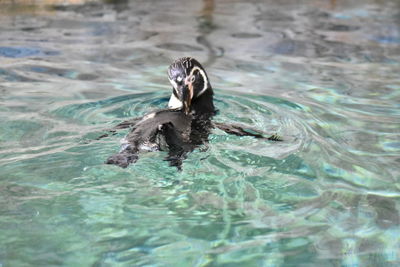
321, 74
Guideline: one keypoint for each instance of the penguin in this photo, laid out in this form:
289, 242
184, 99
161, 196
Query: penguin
183, 126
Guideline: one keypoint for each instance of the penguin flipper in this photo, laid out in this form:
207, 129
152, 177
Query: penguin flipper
123, 158
127, 123
122, 125
240, 131
176, 160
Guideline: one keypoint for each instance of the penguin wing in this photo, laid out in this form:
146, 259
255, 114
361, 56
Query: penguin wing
127, 123
240, 131
123, 125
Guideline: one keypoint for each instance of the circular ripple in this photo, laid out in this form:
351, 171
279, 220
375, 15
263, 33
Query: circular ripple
265, 114
112, 109
228, 158
261, 113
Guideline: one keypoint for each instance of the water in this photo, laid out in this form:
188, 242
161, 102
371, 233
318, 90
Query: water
324, 75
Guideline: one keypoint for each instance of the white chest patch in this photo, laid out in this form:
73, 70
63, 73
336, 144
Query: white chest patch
174, 103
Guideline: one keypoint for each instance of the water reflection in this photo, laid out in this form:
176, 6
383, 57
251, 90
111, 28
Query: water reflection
323, 74
205, 27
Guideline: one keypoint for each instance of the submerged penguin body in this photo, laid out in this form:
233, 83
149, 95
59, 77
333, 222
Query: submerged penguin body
165, 130
180, 128
149, 133
185, 125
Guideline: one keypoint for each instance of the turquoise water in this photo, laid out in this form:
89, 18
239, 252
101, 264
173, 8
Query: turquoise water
324, 75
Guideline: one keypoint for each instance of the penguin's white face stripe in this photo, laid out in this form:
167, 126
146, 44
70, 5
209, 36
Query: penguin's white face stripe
203, 74
174, 85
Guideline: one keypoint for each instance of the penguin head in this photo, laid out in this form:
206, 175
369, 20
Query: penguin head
189, 81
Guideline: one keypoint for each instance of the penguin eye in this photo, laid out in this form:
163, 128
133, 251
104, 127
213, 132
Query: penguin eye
193, 78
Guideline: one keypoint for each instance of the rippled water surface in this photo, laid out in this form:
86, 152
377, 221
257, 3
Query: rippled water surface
322, 74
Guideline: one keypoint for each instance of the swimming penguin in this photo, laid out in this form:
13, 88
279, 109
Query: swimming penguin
183, 126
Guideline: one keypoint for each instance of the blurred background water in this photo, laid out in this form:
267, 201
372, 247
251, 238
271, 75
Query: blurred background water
322, 74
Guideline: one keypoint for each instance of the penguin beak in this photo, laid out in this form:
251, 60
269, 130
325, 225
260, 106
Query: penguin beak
186, 99
187, 95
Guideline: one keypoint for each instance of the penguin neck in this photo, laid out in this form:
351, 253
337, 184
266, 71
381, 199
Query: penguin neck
203, 105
